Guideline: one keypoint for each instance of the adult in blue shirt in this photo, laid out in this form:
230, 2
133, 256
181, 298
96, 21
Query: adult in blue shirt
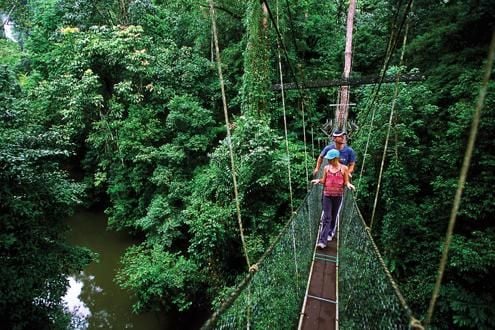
347, 154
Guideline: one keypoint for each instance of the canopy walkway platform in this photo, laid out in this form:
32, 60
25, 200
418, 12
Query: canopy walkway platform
296, 286
319, 309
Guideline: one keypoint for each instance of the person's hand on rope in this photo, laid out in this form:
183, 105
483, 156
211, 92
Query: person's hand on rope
315, 181
351, 186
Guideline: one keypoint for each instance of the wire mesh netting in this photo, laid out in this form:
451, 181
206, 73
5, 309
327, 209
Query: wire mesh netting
367, 297
272, 298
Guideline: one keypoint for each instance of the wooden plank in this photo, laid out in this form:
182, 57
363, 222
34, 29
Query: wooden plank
320, 309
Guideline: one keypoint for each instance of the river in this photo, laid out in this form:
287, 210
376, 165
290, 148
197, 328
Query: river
95, 301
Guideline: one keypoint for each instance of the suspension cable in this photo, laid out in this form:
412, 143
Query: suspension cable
287, 148
281, 44
462, 178
305, 145
394, 100
281, 76
279, 35
388, 54
302, 93
227, 126
396, 92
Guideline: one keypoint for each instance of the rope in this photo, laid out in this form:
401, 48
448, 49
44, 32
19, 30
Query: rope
285, 119
305, 146
388, 56
312, 142
394, 100
286, 145
248, 309
301, 91
462, 178
283, 46
227, 126
394, 32
375, 92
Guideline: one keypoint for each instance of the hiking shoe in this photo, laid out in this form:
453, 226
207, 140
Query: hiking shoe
321, 245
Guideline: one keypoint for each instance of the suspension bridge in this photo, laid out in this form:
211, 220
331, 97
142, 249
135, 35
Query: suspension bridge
347, 284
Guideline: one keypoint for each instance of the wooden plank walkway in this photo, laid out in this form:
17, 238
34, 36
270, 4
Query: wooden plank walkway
320, 304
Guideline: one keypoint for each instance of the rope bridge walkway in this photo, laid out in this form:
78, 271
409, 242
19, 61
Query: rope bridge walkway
272, 294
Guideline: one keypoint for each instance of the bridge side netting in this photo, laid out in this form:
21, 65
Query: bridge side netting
368, 296
273, 297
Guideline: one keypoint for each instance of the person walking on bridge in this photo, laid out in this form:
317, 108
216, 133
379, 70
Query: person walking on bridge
347, 154
335, 177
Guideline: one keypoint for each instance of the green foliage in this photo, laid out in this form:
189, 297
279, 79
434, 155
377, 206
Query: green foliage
158, 278
185, 119
261, 170
36, 198
10, 53
129, 90
255, 86
84, 13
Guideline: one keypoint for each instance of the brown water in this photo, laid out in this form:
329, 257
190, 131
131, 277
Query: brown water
95, 300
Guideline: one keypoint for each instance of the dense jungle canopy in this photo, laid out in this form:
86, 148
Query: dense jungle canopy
127, 93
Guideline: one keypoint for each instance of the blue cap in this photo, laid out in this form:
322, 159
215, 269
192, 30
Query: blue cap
338, 132
333, 153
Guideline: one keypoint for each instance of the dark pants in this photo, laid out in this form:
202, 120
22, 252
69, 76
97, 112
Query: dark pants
331, 205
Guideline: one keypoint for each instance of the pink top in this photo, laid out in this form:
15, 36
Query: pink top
334, 182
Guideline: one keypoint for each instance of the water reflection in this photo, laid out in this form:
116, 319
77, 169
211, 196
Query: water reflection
8, 26
93, 298
79, 310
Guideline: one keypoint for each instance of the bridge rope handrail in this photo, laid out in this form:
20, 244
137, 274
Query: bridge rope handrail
227, 126
413, 320
357, 247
